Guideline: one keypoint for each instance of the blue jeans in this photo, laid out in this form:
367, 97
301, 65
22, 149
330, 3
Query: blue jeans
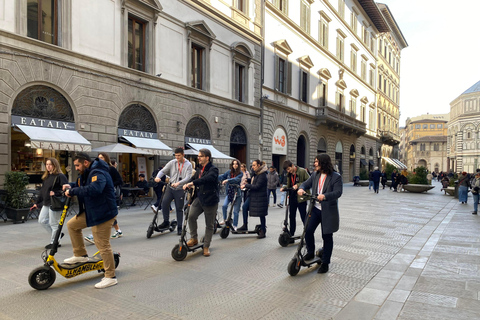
476, 197
274, 191
236, 208
282, 199
462, 194
245, 208
370, 184
313, 223
49, 220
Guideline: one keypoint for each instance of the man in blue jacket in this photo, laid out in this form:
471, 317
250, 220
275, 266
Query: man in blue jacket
97, 209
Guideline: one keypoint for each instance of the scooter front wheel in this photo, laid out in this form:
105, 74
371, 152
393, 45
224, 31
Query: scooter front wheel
150, 231
179, 253
42, 278
225, 232
284, 239
293, 267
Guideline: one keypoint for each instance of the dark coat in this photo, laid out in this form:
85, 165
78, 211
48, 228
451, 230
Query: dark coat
96, 194
116, 177
207, 190
258, 193
332, 190
376, 175
59, 180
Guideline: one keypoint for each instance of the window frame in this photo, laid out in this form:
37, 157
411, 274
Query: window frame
241, 58
281, 5
323, 29
305, 16
304, 85
340, 50
194, 47
143, 25
40, 25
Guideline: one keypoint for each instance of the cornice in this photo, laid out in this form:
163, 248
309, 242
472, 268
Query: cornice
341, 64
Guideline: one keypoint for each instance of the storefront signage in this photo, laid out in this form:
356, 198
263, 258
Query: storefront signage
42, 123
279, 142
137, 134
197, 140
60, 146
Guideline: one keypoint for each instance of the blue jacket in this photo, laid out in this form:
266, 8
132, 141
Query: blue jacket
226, 176
96, 193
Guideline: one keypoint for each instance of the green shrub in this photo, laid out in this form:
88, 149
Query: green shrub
418, 176
15, 186
363, 174
388, 171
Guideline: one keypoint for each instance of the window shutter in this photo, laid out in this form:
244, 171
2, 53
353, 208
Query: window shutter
237, 82
300, 88
288, 76
277, 73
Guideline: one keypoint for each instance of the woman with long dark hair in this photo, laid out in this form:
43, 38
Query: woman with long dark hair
232, 176
53, 180
257, 201
327, 186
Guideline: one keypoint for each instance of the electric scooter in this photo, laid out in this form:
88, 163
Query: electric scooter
43, 277
228, 227
284, 239
180, 251
154, 225
298, 259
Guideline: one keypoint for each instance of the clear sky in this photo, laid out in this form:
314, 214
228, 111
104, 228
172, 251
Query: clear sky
442, 59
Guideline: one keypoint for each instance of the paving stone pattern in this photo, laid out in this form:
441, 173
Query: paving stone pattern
396, 256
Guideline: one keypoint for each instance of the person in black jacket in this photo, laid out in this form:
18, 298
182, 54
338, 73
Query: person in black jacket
257, 197
206, 199
53, 180
158, 188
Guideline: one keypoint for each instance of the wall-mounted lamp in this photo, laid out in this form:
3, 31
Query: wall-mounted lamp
178, 125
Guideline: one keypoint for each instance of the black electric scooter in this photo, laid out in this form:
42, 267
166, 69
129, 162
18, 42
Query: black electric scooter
43, 277
180, 251
154, 226
298, 259
284, 239
228, 223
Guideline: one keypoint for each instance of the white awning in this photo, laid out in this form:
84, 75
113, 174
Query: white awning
215, 153
395, 162
55, 139
153, 146
119, 148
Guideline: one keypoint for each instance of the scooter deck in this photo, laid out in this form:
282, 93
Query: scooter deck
91, 260
308, 263
244, 232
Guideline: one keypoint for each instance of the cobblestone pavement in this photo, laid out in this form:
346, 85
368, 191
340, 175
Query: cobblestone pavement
397, 255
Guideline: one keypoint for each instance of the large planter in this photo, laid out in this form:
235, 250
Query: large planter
417, 188
449, 190
363, 183
17, 215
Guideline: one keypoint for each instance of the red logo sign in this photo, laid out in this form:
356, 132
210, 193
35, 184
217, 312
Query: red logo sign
280, 141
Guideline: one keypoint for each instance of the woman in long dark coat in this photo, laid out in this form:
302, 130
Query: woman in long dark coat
257, 196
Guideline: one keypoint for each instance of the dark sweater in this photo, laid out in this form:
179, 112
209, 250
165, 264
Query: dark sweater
43, 198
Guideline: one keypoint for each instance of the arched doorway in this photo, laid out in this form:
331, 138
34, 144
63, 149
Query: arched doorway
351, 165
238, 144
279, 148
338, 157
422, 163
301, 151
322, 146
43, 126
138, 128
196, 131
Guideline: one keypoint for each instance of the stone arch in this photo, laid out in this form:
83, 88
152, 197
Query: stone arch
136, 116
197, 127
322, 145
239, 143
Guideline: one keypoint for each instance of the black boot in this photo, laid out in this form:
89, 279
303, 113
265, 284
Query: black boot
243, 228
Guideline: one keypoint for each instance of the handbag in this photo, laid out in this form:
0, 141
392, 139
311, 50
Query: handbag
57, 203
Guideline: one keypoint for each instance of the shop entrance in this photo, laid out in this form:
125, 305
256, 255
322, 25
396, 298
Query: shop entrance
238, 144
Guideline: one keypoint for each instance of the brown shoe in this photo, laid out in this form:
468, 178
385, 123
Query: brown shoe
192, 242
206, 252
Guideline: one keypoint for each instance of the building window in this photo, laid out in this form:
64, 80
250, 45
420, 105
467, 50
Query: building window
322, 94
340, 101
241, 61
197, 63
371, 123
282, 5
42, 20
241, 5
340, 46
425, 126
304, 80
353, 107
341, 8
372, 43
364, 70
136, 44
305, 16
365, 36
353, 60
283, 71
362, 112
417, 126
354, 22
436, 147
323, 29
372, 77
432, 126
240, 80
439, 126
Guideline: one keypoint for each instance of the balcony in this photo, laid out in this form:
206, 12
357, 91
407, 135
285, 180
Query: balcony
388, 137
338, 120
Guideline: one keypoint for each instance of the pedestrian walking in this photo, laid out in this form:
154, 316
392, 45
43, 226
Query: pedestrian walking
283, 181
376, 175
475, 192
384, 179
97, 209
393, 178
233, 176
257, 201
53, 180
206, 199
295, 177
180, 172
463, 185
245, 178
328, 186
370, 180
158, 189
272, 183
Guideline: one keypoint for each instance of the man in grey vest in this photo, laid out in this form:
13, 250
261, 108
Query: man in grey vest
180, 171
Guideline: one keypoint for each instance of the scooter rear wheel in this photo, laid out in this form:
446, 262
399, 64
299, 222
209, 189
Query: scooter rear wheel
179, 253
150, 231
293, 267
225, 232
284, 239
42, 278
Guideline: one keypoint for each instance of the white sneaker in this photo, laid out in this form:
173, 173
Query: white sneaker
106, 282
274, 205
74, 260
155, 209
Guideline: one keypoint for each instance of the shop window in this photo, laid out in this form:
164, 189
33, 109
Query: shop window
42, 20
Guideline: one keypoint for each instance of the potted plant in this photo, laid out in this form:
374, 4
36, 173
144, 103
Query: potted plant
17, 204
417, 181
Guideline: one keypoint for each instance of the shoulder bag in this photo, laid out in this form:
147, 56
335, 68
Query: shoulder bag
57, 203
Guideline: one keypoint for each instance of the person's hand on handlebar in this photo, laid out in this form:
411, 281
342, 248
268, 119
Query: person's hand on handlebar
33, 207
174, 185
224, 181
67, 193
187, 185
321, 197
157, 180
301, 192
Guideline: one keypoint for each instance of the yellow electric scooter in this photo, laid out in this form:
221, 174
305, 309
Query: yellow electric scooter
43, 277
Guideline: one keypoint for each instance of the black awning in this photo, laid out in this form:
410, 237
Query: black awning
371, 162
362, 161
